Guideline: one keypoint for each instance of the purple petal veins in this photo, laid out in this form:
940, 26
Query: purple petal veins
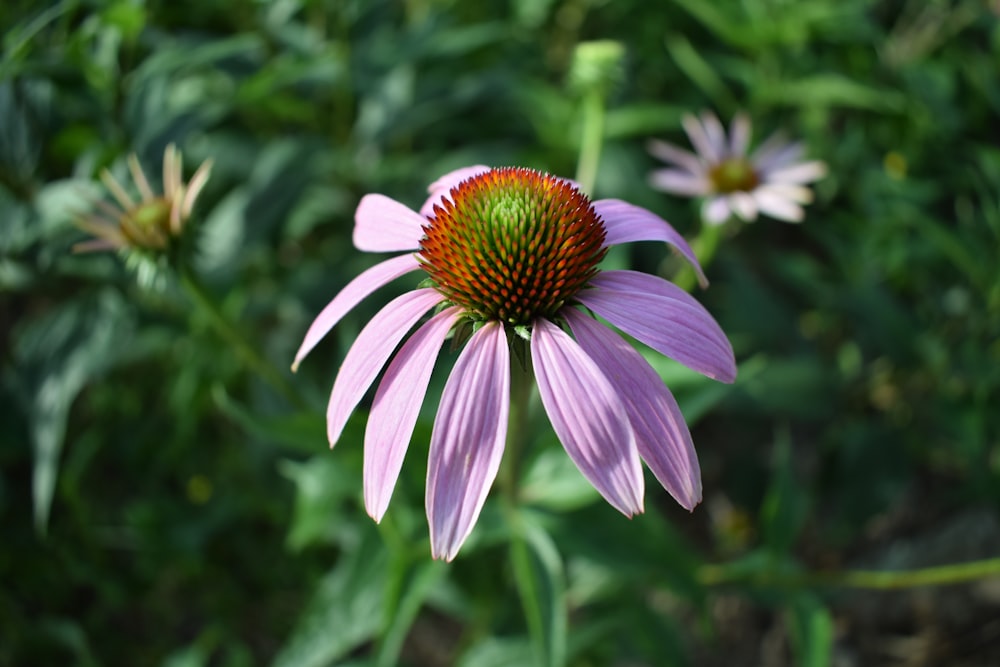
352, 294
396, 407
663, 316
661, 435
369, 353
588, 417
468, 439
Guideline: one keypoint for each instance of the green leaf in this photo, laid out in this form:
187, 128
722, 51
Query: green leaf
493, 652
55, 356
701, 73
786, 504
322, 486
830, 89
346, 610
298, 431
554, 482
811, 629
541, 583
402, 610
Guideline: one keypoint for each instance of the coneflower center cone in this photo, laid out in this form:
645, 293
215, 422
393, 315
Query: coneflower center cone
512, 244
734, 175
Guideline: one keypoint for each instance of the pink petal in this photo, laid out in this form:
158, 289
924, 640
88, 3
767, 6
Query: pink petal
663, 316
468, 439
739, 135
588, 416
804, 172
382, 224
369, 353
625, 223
396, 408
440, 188
661, 435
675, 155
679, 182
350, 296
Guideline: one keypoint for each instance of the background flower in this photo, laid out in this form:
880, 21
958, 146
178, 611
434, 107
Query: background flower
770, 180
153, 221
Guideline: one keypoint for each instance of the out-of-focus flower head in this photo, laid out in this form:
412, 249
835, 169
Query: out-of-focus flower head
770, 180
510, 259
153, 222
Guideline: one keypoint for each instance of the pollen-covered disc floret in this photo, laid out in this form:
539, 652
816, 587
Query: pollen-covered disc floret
512, 244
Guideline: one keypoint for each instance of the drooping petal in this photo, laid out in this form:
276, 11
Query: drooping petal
382, 224
468, 439
676, 155
396, 407
661, 435
663, 316
804, 172
352, 294
440, 188
370, 351
625, 223
739, 135
588, 416
680, 182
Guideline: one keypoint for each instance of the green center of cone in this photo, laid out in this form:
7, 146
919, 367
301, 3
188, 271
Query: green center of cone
512, 244
734, 175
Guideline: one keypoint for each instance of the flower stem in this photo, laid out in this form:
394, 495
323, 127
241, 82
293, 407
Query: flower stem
720, 575
590, 141
704, 246
232, 335
522, 381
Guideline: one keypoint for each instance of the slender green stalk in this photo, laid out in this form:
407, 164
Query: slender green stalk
232, 335
591, 141
704, 246
720, 575
522, 382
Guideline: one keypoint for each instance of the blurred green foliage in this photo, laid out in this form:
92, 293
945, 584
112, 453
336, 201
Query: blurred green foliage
162, 505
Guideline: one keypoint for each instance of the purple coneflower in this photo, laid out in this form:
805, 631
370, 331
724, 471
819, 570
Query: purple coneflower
771, 180
511, 254
155, 220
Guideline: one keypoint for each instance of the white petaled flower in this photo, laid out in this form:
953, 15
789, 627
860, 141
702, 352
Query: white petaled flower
771, 180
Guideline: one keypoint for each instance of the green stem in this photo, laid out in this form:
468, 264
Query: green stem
521, 384
719, 575
704, 246
522, 381
590, 141
235, 338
